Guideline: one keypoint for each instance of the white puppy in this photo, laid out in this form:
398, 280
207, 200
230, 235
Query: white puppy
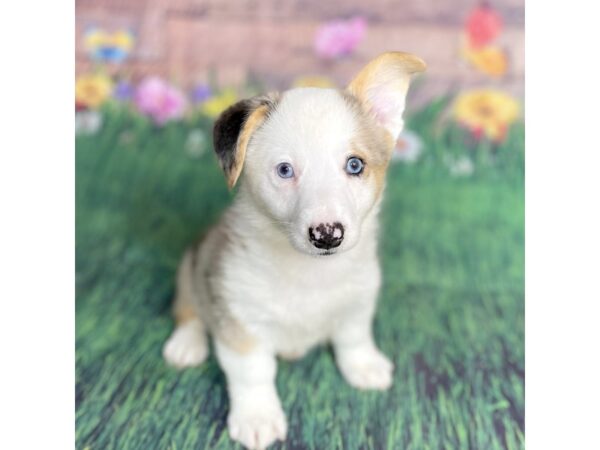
293, 261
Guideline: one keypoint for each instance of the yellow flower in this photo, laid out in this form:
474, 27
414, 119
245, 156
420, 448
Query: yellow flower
92, 91
487, 112
94, 38
123, 40
219, 103
489, 60
313, 81
110, 47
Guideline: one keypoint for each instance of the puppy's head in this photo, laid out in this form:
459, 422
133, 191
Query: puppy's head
314, 159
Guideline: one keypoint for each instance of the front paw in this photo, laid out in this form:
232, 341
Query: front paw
257, 425
366, 368
187, 346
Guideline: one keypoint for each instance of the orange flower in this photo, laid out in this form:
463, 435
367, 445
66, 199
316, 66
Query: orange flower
491, 60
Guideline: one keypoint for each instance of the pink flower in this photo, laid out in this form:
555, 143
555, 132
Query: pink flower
159, 100
339, 37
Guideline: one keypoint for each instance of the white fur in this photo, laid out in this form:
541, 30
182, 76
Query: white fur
256, 418
187, 345
311, 129
274, 282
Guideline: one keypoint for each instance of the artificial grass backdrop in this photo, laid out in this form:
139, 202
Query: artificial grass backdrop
451, 313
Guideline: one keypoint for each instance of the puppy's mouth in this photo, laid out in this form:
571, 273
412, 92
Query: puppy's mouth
327, 253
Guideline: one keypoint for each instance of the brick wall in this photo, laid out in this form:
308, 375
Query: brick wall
191, 40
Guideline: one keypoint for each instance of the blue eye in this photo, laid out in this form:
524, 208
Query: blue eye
285, 170
354, 166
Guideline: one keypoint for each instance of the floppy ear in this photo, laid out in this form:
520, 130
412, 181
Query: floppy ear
233, 130
381, 87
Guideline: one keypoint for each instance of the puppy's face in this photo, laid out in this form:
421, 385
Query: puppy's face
313, 159
317, 167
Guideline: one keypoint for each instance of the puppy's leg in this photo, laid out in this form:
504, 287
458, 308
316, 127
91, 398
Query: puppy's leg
255, 418
361, 363
187, 345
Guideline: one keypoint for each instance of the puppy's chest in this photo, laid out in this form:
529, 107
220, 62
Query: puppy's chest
298, 318
295, 305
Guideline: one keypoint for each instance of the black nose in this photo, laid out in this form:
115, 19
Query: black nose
326, 235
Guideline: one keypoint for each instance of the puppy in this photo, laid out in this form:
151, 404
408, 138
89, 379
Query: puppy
293, 262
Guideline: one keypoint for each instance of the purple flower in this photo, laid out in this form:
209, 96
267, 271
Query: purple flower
339, 37
201, 93
159, 100
123, 91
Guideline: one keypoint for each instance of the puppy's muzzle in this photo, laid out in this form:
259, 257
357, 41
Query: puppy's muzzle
326, 235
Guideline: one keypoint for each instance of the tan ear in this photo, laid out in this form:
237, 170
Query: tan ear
233, 130
382, 84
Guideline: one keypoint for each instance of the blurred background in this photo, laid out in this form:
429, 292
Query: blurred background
152, 76
170, 59
193, 42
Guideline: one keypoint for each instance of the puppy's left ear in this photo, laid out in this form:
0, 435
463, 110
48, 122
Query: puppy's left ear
233, 130
381, 87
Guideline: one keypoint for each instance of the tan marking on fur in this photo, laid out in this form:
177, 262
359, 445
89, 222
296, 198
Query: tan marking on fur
396, 62
184, 314
232, 334
379, 177
374, 168
392, 69
184, 304
387, 142
291, 356
256, 118
372, 143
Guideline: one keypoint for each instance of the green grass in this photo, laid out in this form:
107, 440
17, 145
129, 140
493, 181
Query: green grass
451, 311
